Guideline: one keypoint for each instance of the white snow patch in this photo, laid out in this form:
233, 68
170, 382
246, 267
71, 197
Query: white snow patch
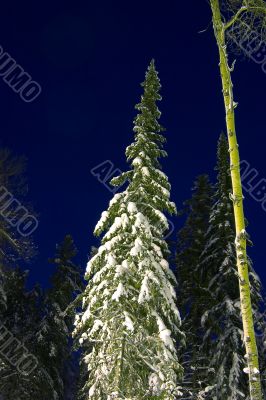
157, 249
145, 171
137, 248
119, 292
116, 197
155, 384
111, 261
102, 220
92, 390
128, 322
132, 208
86, 315
144, 291
164, 264
96, 326
137, 161
164, 333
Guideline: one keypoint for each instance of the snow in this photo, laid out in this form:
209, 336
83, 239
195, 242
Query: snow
118, 223
131, 208
145, 171
86, 315
77, 319
144, 291
137, 161
144, 263
154, 384
128, 322
164, 264
96, 326
161, 173
98, 276
165, 192
92, 390
119, 292
102, 221
125, 264
111, 261
119, 270
208, 389
137, 248
115, 199
162, 218
157, 249
142, 221
164, 333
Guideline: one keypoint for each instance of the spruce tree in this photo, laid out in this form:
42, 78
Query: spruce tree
54, 336
13, 246
130, 315
13, 190
192, 296
222, 323
21, 319
191, 242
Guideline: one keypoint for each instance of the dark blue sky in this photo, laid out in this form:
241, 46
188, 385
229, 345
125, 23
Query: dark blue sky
89, 58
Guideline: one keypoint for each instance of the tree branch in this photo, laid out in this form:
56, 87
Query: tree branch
235, 17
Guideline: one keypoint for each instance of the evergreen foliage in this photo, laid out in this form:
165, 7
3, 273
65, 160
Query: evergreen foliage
130, 315
223, 338
54, 336
192, 296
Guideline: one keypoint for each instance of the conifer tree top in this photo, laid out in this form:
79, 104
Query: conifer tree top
130, 316
146, 124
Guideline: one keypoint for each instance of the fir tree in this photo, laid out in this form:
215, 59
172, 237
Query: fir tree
191, 294
223, 339
13, 246
130, 316
13, 188
21, 318
54, 344
191, 242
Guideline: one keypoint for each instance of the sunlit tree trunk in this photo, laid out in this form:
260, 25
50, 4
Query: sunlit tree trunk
237, 198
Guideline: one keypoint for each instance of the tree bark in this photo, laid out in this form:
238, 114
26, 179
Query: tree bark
237, 198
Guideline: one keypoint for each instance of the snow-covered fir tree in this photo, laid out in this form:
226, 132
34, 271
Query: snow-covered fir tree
192, 297
43, 324
54, 335
223, 339
129, 314
85, 350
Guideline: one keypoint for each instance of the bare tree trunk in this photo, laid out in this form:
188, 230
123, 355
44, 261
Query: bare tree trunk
237, 198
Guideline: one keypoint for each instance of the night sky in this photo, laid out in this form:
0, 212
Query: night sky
89, 58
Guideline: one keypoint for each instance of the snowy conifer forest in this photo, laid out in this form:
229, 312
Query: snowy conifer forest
156, 313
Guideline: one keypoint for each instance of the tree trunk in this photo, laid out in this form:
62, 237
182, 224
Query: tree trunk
237, 198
